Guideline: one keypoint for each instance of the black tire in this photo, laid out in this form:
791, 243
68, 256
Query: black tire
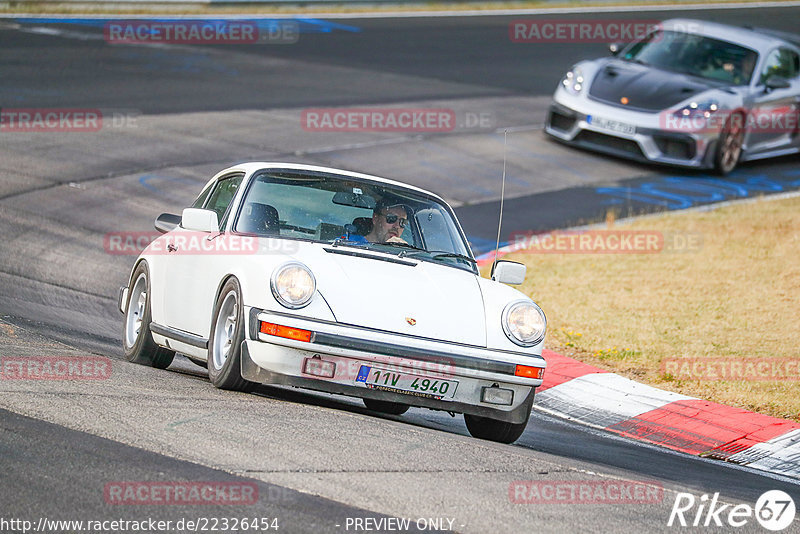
225, 342
392, 408
729, 145
494, 430
137, 340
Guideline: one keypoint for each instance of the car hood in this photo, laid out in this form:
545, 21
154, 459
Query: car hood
645, 88
414, 297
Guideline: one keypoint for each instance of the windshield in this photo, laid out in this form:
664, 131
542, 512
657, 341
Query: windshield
345, 211
695, 55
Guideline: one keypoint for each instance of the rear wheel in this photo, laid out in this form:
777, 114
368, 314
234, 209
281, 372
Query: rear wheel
494, 430
137, 340
729, 145
225, 345
393, 408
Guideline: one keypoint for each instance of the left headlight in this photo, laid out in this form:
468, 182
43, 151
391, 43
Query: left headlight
293, 285
573, 81
524, 323
705, 109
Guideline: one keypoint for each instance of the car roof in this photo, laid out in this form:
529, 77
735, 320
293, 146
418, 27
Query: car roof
254, 166
761, 40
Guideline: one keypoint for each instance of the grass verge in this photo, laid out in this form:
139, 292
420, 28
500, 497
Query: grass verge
726, 288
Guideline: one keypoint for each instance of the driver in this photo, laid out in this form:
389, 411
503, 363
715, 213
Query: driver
388, 223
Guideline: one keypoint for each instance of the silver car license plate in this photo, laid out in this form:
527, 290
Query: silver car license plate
611, 125
416, 385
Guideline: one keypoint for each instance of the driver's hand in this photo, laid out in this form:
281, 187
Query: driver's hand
395, 239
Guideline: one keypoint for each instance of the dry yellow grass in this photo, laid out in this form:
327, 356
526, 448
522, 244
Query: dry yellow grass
736, 298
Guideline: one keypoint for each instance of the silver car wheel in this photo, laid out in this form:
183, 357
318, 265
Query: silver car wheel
136, 310
731, 149
225, 329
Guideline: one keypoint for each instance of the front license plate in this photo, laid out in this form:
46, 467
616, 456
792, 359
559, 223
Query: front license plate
613, 126
416, 385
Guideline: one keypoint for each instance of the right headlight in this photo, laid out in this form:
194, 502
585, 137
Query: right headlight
293, 285
524, 323
573, 81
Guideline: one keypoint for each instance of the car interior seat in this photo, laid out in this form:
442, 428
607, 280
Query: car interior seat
259, 219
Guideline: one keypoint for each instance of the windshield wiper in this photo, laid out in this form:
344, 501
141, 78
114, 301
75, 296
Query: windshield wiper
403, 253
341, 242
456, 255
436, 255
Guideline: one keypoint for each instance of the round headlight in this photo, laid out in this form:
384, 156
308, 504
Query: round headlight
524, 323
293, 285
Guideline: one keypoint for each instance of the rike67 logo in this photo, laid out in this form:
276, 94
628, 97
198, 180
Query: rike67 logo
774, 510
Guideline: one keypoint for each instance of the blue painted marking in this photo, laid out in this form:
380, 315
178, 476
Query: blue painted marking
363, 373
675, 192
649, 194
305, 24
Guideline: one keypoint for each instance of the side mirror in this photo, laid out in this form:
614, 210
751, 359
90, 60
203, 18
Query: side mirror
777, 82
615, 48
167, 222
509, 272
200, 220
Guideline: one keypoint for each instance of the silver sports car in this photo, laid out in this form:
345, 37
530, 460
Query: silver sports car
690, 93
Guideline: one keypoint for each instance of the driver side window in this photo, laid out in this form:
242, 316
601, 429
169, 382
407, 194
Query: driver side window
222, 194
780, 62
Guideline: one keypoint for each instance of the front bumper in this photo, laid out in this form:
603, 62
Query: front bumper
572, 123
269, 359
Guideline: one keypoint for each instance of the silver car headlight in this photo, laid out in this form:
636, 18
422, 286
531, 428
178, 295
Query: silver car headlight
573, 81
705, 109
293, 285
524, 323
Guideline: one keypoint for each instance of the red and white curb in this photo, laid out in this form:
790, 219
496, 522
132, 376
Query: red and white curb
592, 396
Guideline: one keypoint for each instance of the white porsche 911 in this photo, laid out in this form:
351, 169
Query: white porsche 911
337, 282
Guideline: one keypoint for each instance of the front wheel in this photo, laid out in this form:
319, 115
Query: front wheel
225, 345
729, 145
137, 341
494, 430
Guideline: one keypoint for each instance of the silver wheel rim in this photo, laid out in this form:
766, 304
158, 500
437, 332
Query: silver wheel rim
136, 308
225, 329
731, 146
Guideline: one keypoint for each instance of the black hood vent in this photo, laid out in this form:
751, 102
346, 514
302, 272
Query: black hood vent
645, 88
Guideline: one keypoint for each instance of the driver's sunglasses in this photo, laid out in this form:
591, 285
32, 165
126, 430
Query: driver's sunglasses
391, 219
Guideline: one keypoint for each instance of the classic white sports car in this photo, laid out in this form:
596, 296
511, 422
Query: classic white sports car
338, 282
